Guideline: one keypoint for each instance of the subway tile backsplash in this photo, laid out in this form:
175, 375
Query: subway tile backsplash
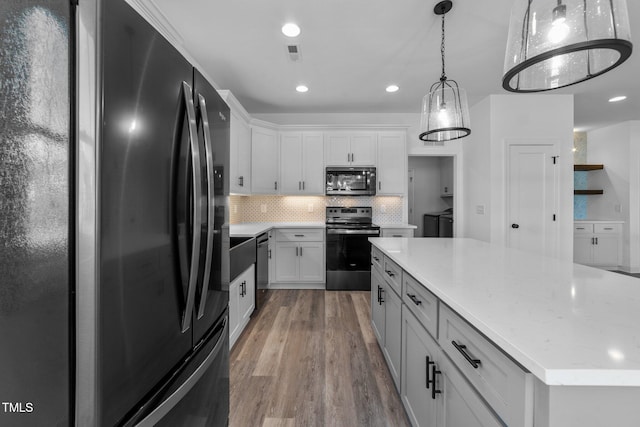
386, 209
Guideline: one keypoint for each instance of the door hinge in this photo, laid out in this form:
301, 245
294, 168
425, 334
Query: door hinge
555, 158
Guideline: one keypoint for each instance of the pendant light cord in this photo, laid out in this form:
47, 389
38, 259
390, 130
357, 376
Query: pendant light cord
443, 77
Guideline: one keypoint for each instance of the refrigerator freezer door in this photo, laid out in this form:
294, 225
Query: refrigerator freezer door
216, 295
36, 249
145, 138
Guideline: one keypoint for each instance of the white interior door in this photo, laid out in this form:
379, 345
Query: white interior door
532, 196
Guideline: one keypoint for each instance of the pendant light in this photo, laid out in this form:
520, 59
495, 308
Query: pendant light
557, 43
445, 112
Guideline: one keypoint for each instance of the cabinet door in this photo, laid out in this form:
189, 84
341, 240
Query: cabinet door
377, 306
247, 299
286, 262
244, 158
419, 353
337, 149
264, 165
582, 248
606, 250
363, 149
392, 336
234, 310
461, 404
446, 176
290, 165
311, 259
234, 138
391, 163
313, 164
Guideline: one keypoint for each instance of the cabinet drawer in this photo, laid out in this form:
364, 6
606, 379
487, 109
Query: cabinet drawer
606, 228
583, 228
393, 275
421, 302
299, 235
500, 381
377, 259
397, 232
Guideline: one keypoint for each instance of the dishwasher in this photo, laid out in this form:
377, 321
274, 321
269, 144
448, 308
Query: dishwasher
262, 267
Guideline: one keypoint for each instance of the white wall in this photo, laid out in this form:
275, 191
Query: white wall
617, 147
501, 120
477, 166
426, 184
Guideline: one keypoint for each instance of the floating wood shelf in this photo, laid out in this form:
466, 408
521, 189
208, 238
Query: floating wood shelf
587, 192
587, 167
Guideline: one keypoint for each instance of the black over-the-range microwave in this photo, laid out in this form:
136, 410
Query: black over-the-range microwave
351, 181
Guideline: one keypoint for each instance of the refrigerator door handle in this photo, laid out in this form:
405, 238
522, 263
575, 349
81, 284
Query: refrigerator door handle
202, 103
197, 216
163, 409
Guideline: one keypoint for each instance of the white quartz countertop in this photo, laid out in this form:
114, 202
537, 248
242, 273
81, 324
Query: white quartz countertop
396, 225
252, 229
568, 324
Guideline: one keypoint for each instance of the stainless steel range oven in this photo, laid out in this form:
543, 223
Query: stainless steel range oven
348, 248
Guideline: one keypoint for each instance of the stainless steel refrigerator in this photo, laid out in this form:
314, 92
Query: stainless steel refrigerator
114, 242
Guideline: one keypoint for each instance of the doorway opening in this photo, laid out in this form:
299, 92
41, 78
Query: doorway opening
431, 183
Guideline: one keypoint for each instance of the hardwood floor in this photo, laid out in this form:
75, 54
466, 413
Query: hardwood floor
310, 358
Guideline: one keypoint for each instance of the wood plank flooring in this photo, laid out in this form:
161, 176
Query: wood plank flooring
310, 358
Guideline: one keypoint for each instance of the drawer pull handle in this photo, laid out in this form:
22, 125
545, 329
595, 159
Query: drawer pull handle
461, 348
390, 273
580, 228
376, 258
380, 291
415, 300
429, 363
299, 235
434, 372
608, 228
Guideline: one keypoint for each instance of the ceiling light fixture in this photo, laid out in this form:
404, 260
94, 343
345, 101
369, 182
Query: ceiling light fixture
302, 88
445, 112
290, 30
557, 43
618, 98
392, 88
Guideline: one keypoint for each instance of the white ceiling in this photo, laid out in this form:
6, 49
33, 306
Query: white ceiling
352, 49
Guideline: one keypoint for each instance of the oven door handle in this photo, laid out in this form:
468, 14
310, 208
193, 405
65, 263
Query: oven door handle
345, 231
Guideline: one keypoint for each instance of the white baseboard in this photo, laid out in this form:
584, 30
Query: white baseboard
318, 285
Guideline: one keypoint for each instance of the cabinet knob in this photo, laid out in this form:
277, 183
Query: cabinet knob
515, 226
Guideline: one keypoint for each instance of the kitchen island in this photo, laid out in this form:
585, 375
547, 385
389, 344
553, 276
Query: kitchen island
571, 331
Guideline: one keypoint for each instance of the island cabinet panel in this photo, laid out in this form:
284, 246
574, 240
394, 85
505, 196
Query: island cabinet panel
386, 318
419, 353
499, 380
421, 302
461, 405
393, 275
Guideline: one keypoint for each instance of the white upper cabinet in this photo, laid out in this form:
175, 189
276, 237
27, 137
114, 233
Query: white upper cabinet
301, 163
392, 163
240, 155
240, 140
350, 148
264, 167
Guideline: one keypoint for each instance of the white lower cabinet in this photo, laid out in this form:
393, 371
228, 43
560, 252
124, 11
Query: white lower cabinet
386, 312
598, 244
242, 293
434, 392
449, 375
299, 256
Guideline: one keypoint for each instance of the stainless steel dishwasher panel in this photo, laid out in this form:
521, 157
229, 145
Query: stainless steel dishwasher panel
262, 261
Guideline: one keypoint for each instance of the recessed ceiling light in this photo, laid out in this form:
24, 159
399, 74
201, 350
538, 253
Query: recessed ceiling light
392, 88
290, 30
618, 98
302, 88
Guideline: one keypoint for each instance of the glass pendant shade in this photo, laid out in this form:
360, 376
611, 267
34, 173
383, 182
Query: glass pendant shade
557, 43
445, 113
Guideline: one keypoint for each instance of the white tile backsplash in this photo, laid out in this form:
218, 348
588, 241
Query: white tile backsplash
386, 209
